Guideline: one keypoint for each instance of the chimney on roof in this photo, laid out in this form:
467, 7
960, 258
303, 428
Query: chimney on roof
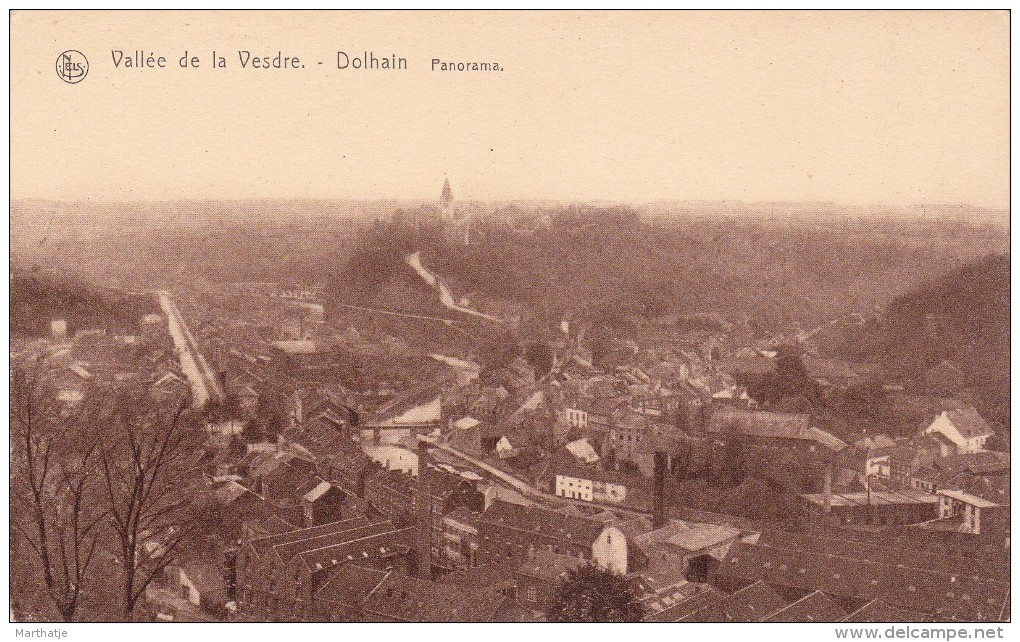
659, 506
424, 513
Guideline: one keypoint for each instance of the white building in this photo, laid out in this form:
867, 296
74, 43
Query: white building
574, 418
965, 428
956, 503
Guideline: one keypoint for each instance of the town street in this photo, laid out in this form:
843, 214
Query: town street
204, 385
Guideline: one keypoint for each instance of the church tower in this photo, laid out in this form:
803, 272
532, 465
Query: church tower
446, 201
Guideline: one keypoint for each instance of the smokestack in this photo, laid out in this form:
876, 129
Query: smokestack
827, 489
424, 513
659, 506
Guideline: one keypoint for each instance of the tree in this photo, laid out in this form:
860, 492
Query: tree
149, 466
540, 357
592, 594
54, 483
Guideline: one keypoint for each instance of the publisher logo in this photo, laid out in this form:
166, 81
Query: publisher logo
72, 66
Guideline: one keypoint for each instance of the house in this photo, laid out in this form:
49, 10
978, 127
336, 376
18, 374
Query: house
473, 436
836, 373
968, 508
765, 428
460, 538
575, 418
323, 504
170, 386
402, 598
964, 427
682, 549
540, 575
202, 584
280, 576
586, 482
509, 532
392, 493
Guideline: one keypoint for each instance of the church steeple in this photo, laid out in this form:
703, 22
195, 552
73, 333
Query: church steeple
446, 201
447, 198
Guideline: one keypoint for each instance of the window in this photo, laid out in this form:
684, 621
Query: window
532, 594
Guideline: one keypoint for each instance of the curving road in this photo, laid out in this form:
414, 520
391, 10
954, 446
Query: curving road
445, 294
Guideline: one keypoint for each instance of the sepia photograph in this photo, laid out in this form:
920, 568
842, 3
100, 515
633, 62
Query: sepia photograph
479, 316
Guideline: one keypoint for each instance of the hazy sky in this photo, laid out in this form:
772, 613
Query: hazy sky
858, 107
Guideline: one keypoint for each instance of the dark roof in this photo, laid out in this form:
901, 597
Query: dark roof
969, 423
288, 550
679, 611
814, 607
350, 584
544, 522
930, 590
886, 552
409, 599
750, 604
546, 565
879, 611
319, 436
365, 545
771, 425
837, 371
265, 543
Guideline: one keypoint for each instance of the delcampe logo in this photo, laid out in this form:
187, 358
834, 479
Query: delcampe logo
72, 66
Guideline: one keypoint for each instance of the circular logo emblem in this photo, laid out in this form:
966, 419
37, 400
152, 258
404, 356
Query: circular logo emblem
72, 66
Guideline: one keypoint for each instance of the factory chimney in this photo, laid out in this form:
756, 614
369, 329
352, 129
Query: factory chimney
827, 489
659, 506
423, 513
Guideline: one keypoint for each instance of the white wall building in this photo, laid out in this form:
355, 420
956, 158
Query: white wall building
965, 428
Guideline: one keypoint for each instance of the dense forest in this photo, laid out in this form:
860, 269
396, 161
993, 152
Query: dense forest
961, 317
37, 298
613, 267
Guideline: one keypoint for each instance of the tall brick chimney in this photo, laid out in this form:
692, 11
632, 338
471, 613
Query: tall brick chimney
659, 502
827, 489
423, 513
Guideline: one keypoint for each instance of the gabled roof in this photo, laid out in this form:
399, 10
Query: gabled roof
350, 584
409, 599
466, 423
550, 566
320, 489
544, 522
679, 611
689, 536
320, 436
362, 544
932, 590
880, 611
813, 607
969, 423
771, 425
264, 544
750, 604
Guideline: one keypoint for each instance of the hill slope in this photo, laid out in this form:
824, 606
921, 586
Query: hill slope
962, 317
38, 298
